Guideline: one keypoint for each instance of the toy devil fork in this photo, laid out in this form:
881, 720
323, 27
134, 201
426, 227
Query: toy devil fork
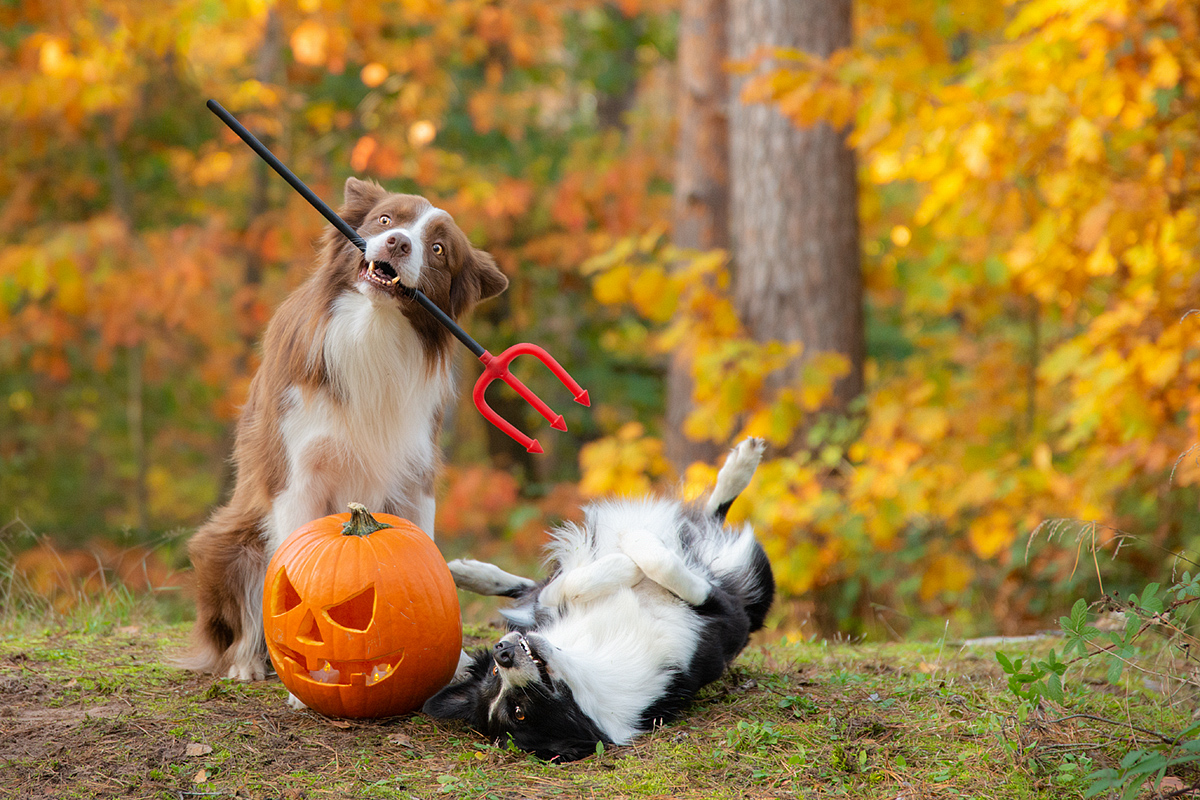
493, 366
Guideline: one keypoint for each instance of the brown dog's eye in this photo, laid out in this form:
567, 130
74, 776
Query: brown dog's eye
385, 220
518, 713
437, 248
495, 669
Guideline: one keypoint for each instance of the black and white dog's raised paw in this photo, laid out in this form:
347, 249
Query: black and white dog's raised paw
735, 475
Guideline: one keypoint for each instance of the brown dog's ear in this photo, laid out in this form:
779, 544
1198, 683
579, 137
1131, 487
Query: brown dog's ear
361, 197
479, 279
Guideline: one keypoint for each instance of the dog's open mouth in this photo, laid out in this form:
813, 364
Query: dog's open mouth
380, 274
538, 661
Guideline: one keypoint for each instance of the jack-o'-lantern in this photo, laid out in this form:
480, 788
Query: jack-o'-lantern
361, 615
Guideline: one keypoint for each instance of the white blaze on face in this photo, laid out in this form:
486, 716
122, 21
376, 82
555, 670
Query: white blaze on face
408, 268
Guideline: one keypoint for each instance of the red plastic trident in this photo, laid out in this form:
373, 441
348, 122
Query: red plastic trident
497, 367
493, 366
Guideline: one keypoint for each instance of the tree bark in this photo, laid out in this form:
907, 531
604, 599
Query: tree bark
794, 211
701, 205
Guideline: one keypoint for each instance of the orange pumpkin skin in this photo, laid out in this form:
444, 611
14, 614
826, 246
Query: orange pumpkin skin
361, 625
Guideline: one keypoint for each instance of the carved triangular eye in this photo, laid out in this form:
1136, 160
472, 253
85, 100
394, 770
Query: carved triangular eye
356, 613
284, 596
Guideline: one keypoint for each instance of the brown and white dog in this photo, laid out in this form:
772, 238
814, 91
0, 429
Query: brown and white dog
346, 406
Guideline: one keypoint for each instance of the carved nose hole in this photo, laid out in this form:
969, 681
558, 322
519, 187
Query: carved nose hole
356, 613
284, 596
309, 633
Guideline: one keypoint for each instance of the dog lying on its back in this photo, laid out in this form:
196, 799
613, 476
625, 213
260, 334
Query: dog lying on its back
649, 601
346, 406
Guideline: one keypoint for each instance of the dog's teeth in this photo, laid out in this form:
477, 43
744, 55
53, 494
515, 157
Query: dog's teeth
394, 281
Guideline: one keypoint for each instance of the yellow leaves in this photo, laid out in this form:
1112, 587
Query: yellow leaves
623, 464
654, 294
990, 534
975, 148
53, 58
1084, 143
1101, 261
948, 574
1164, 68
212, 168
613, 286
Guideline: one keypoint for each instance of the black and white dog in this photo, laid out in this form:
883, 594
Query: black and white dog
648, 601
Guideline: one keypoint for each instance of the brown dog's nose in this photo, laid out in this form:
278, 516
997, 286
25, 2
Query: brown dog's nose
399, 243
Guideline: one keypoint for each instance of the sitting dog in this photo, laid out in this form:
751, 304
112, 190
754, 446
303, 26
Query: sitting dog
347, 406
649, 600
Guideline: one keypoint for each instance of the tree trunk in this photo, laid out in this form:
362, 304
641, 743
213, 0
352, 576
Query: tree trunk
701, 210
794, 215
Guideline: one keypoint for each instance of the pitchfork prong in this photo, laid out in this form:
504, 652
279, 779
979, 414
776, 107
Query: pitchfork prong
497, 367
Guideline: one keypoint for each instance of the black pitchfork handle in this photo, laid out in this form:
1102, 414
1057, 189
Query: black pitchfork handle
337, 222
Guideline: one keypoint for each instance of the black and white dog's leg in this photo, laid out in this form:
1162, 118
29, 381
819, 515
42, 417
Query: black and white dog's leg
598, 579
664, 567
487, 579
734, 476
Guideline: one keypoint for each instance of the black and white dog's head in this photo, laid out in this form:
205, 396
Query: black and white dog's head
512, 692
649, 600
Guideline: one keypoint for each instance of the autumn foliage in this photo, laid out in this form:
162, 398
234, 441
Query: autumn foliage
1030, 234
1029, 212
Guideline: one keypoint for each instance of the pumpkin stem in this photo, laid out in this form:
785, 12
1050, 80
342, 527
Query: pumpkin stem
361, 523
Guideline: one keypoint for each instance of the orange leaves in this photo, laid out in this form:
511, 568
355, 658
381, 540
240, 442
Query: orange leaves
475, 495
310, 43
806, 88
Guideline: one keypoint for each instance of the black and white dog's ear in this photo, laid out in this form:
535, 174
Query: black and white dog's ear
463, 699
456, 701
735, 476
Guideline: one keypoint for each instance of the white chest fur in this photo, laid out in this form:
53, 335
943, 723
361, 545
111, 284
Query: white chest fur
369, 437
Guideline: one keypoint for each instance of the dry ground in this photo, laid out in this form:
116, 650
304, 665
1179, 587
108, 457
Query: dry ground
101, 714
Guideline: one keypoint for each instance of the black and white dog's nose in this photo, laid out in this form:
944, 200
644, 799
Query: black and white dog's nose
504, 652
399, 243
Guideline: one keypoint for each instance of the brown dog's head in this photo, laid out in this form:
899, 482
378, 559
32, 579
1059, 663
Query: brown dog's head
414, 244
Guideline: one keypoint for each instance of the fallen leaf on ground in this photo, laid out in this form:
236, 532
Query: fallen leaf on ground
197, 749
402, 739
201, 776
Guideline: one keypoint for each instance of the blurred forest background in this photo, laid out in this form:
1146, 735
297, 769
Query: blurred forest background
943, 254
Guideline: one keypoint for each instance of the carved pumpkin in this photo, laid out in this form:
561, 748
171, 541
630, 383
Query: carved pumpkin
361, 615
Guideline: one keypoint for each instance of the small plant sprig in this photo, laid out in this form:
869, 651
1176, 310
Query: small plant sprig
1165, 611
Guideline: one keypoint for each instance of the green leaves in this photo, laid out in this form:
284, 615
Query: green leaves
1039, 679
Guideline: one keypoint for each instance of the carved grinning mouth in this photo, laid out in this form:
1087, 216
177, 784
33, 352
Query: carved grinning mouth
380, 274
342, 673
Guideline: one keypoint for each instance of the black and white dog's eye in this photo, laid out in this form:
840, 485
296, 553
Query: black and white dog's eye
437, 248
518, 713
385, 220
495, 669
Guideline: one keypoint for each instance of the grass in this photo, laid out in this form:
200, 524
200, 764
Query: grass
90, 708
